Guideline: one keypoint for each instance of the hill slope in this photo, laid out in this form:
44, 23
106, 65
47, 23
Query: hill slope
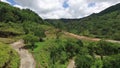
16, 22
105, 24
16, 15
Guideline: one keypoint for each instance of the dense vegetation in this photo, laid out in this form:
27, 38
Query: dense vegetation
55, 53
16, 15
8, 57
105, 24
99, 55
16, 22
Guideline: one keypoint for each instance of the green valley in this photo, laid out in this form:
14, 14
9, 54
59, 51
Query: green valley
89, 42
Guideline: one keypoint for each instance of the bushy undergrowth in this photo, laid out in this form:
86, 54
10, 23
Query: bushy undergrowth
8, 57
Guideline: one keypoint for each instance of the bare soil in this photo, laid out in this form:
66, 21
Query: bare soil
71, 64
88, 38
26, 58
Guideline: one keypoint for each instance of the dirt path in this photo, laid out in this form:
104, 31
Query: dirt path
71, 64
88, 38
27, 60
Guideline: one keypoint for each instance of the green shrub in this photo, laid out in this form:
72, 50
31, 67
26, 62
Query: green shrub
8, 57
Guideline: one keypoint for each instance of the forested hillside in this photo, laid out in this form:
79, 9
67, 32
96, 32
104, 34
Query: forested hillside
16, 15
15, 21
105, 24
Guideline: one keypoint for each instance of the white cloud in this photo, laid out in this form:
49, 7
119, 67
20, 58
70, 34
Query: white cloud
55, 9
80, 8
5, 1
18, 6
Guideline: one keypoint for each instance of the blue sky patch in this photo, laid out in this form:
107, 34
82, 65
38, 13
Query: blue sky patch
92, 4
65, 4
12, 2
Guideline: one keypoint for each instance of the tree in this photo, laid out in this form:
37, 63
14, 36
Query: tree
30, 40
58, 33
98, 63
83, 61
92, 49
80, 43
63, 57
39, 32
101, 44
112, 61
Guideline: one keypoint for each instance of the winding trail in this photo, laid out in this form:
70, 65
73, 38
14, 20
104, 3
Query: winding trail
88, 38
71, 64
27, 60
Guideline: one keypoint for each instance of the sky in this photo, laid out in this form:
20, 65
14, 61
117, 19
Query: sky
56, 9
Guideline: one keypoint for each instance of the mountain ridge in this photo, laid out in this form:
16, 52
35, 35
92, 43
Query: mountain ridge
102, 25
